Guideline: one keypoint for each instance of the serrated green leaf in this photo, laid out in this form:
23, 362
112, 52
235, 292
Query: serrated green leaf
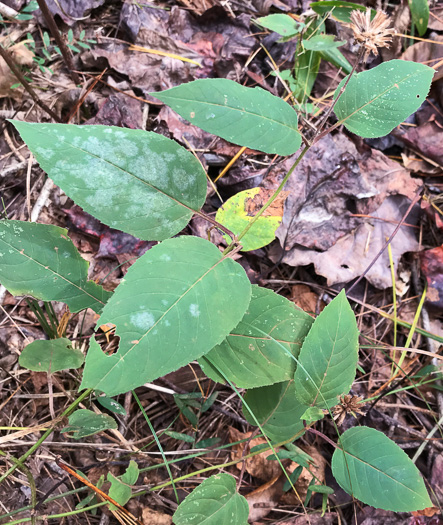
277, 410
120, 490
328, 358
214, 502
339, 9
237, 213
83, 423
249, 117
133, 180
41, 260
282, 24
419, 14
376, 101
322, 43
258, 351
50, 356
177, 302
372, 468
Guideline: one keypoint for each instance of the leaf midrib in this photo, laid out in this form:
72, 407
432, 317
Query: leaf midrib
376, 97
234, 109
55, 273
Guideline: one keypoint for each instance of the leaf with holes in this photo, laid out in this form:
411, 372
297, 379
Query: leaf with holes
277, 410
263, 347
176, 302
377, 100
372, 468
328, 358
214, 502
135, 181
249, 117
50, 356
41, 260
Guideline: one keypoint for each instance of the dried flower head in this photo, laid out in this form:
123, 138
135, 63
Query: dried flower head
371, 34
348, 405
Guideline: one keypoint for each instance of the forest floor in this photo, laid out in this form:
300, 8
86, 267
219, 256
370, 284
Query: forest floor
309, 262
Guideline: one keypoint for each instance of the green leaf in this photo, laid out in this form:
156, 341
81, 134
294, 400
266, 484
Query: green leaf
306, 68
120, 490
322, 43
372, 468
249, 117
238, 211
41, 260
277, 410
284, 25
339, 9
419, 14
376, 101
328, 358
111, 404
312, 414
180, 436
214, 502
176, 302
135, 181
259, 350
336, 58
50, 356
86, 423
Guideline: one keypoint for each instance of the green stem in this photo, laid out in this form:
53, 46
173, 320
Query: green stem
271, 200
34, 447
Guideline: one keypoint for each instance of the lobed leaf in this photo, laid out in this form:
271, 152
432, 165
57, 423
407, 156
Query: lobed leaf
263, 347
50, 356
176, 302
135, 181
214, 502
376, 101
249, 117
373, 469
40, 260
328, 358
277, 409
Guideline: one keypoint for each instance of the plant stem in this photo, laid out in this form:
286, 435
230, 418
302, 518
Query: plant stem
318, 433
58, 38
34, 447
4, 53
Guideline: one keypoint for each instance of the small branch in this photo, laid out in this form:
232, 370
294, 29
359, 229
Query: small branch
58, 38
318, 433
7, 11
216, 224
11, 64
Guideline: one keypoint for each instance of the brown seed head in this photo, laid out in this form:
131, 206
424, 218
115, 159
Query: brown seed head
371, 34
348, 405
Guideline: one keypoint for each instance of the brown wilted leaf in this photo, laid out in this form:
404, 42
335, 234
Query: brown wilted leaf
152, 517
318, 468
258, 466
253, 205
198, 6
262, 500
305, 298
22, 57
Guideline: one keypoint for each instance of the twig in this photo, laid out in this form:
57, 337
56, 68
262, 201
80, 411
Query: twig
11, 64
393, 234
7, 11
58, 38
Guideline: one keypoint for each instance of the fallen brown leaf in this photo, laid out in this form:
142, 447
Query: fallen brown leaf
22, 57
152, 517
262, 500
